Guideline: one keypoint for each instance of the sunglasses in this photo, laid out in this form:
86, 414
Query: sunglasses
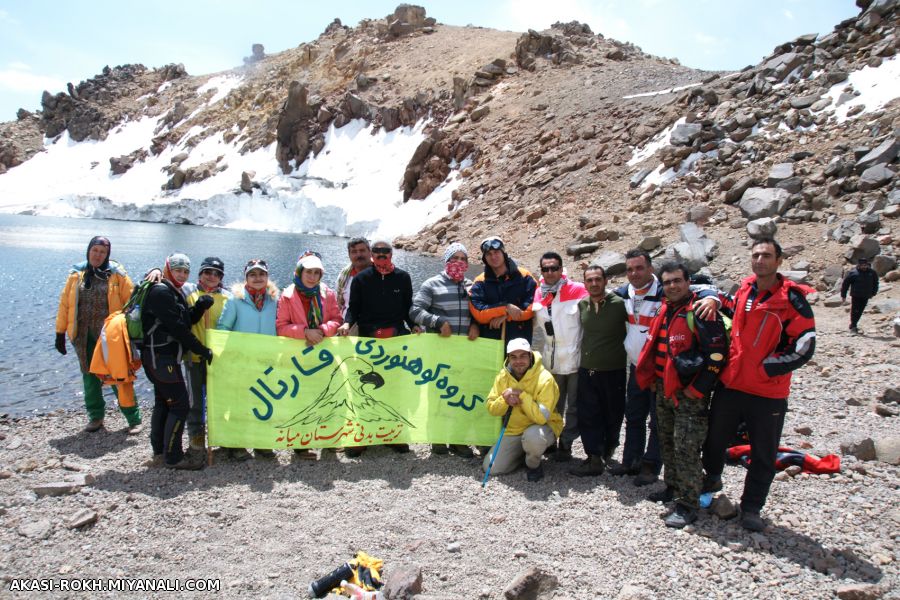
311, 253
552, 269
493, 244
381, 250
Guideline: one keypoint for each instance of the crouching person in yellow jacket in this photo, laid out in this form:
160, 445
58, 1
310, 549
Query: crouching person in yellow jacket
528, 392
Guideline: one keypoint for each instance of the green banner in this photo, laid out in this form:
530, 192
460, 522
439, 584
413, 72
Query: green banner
276, 392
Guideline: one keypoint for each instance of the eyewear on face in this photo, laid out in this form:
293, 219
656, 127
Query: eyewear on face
551, 269
491, 245
381, 250
670, 282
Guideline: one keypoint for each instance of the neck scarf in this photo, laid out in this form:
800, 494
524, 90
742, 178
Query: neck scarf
456, 270
383, 264
548, 292
167, 273
314, 312
103, 271
211, 290
258, 297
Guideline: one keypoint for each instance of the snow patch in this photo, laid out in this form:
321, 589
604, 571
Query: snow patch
660, 140
351, 188
663, 92
876, 86
223, 84
661, 177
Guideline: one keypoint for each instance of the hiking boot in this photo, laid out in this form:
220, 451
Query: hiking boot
154, 463
94, 425
354, 451
608, 454
461, 451
751, 521
399, 448
198, 442
440, 449
854, 329
681, 517
263, 453
667, 494
304, 454
187, 463
647, 475
622, 469
711, 483
483, 450
135, 429
238, 454
563, 453
589, 467
535, 474
551, 449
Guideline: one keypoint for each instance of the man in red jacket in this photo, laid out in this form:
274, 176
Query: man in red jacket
681, 360
773, 333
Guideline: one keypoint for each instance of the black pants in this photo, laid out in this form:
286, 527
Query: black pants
764, 418
601, 409
857, 306
171, 404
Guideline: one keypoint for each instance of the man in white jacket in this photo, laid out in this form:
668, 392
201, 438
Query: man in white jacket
556, 312
643, 297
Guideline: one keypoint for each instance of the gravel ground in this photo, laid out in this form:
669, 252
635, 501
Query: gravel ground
266, 528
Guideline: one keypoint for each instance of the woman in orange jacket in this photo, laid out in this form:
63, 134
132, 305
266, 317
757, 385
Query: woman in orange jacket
94, 288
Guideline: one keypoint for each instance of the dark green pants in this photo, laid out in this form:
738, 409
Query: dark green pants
93, 394
682, 432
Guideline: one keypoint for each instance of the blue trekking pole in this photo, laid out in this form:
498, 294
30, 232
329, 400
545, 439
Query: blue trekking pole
496, 447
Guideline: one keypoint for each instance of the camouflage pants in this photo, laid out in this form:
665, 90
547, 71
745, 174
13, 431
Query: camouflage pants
682, 432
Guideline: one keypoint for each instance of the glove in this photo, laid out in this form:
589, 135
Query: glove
61, 343
207, 356
203, 303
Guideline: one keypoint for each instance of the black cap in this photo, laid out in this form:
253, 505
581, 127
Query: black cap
213, 263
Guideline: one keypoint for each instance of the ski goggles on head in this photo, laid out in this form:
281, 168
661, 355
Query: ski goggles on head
256, 264
491, 244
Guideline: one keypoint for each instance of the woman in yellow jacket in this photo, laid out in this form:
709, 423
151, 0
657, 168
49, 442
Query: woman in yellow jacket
94, 289
528, 393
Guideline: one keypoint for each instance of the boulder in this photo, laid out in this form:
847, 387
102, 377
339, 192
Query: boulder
845, 231
799, 102
890, 395
796, 276
580, 249
863, 449
36, 530
639, 177
736, 191
723, 507
694, 249
885, 306
685, 133
635, 592
745, 119
781, 66
613, 263
882, 154
863, 246
757, 203
56, 488
480, 112
650, 243
247, 181
403, 582
874, 177
869, 223
531, 584
859, 591
883, 264
82, 518
762, 228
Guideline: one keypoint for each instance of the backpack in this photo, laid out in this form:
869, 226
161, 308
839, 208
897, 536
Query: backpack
132, 311
726, 320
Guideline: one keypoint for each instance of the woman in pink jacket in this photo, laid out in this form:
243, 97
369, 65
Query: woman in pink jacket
308, 309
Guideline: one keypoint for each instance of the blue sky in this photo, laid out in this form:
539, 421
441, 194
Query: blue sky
44, 44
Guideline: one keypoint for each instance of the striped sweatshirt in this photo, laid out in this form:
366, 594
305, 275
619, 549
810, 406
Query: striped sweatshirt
441, 300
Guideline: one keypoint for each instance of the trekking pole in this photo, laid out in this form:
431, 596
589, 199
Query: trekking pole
496, 447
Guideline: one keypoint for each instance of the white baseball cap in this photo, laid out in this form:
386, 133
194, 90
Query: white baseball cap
518, 344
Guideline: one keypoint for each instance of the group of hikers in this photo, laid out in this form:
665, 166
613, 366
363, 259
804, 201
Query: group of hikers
681, 363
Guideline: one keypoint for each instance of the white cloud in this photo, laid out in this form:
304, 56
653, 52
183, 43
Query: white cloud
521, 15
706, 40
17, 78
6, 18
788, 14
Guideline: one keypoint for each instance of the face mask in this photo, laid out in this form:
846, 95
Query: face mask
456, 270
383, 263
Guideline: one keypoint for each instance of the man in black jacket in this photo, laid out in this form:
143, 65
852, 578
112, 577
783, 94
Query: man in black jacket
166, 320
380, 299
862, 282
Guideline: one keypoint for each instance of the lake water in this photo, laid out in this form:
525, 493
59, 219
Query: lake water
39, 251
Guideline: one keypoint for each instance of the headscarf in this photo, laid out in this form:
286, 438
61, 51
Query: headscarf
455, 270
313, 294
177, 260
103, 271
